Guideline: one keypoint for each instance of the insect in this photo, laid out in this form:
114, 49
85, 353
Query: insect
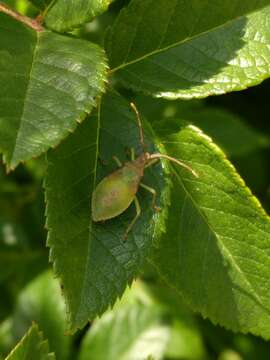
115, 193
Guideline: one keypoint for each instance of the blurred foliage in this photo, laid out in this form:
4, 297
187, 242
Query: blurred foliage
27, 294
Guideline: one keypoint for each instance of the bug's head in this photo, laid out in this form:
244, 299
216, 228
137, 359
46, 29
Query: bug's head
143, 160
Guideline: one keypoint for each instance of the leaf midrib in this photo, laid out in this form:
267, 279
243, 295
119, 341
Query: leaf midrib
91, 221
181, 42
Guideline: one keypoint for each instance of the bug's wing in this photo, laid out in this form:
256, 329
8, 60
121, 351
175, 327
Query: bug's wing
113, 195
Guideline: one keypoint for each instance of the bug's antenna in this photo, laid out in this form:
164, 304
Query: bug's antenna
181, 163
134, 108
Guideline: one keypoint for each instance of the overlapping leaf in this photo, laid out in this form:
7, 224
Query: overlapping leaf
92, 260
64, 15
216, 251
31, 347
48, 83
190, 48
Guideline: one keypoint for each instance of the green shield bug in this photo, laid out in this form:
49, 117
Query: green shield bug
115, 193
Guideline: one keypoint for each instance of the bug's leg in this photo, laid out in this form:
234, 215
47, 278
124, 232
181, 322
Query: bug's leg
132, 154
138, 213
154, 194
118, 162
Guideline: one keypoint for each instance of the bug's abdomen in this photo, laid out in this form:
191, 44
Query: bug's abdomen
113, 195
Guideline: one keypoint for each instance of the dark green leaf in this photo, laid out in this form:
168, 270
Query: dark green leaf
190, 49
254, 169
228, 130
41, 4
48, 83
216, 248
31, 347
17, 264
18, 261
92, 260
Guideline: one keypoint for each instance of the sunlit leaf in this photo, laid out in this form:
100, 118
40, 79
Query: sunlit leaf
48, 83
64, 15
190, 49
216, 248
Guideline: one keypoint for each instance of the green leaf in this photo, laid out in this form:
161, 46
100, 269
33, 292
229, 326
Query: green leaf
41, 301
64, 15
31, 347
92, 260
132, 331
48, 83
190, 49
217, 240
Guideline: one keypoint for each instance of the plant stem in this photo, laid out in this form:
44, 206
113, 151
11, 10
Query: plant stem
33, 24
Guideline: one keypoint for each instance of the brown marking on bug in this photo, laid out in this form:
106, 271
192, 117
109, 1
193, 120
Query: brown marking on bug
110, 198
